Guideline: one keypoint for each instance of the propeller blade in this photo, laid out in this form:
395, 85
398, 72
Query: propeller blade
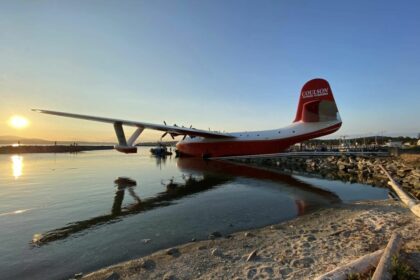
172, 135
164, 122
163, 135
183, 138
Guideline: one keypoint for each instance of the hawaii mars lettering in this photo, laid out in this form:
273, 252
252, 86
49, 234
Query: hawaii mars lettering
315, 92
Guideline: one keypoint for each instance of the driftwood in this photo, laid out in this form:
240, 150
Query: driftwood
361, 265
407, 200
383, 270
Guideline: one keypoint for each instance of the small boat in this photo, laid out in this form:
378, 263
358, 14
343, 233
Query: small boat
160, 151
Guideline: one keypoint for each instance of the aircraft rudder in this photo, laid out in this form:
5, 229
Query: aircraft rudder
316, 102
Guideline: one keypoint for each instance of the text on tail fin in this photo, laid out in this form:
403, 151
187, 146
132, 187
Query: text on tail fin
316, 102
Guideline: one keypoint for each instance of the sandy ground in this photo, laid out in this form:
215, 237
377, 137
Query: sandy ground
298, 249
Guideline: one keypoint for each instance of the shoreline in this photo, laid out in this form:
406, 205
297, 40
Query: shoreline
301, 248
404, 169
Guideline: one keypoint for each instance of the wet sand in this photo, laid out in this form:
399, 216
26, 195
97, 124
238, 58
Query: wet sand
298, 249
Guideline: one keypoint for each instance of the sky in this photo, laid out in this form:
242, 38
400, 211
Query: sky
224, 65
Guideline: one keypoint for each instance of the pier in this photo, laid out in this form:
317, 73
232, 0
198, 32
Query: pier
313, 154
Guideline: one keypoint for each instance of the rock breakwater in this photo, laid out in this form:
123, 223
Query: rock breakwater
354, 169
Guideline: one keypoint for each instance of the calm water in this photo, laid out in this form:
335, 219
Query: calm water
81, 220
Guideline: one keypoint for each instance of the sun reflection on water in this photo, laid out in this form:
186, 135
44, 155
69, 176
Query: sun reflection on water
17, 165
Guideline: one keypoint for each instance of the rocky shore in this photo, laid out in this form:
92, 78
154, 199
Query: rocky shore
355, 169
299, 249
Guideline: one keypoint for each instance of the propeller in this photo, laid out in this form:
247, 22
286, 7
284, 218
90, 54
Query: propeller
164, 122
171, 134
163, 135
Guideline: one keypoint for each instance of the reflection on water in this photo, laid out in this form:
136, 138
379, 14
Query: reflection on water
20, 211
198, 176
189, 187
87, 219
17, 165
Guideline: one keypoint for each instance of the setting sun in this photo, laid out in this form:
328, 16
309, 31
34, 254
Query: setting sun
18, 122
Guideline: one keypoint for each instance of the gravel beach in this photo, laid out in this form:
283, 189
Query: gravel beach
298, 249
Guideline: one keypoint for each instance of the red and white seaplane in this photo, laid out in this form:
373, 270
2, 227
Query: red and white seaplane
317, 115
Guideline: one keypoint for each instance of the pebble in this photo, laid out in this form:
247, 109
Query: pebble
216, 252
252, 256
173, 252
112, 276
148, 264
285, 271
215, 234
169, 276
306, 245
251, 273
302, 263
311, 238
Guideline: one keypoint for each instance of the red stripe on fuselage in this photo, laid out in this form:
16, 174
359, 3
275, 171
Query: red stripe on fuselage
253, 147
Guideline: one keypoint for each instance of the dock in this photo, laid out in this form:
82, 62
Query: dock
312, 154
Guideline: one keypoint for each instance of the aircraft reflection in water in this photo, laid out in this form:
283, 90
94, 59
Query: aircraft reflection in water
202, 176
289, 184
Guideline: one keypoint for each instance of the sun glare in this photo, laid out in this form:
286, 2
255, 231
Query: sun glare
17, 166
18, 122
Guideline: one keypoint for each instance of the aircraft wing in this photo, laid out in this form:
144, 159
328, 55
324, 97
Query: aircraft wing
172, 130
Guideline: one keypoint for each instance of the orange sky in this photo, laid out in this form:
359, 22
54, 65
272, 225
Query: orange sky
61, 129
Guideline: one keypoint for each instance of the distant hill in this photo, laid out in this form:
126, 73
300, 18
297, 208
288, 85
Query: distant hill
11, 139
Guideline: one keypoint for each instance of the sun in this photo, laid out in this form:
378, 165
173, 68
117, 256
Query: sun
18, 122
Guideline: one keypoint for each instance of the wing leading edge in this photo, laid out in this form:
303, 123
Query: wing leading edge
173, 130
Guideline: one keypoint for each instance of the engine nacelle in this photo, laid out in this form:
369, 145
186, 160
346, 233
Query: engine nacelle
126, 149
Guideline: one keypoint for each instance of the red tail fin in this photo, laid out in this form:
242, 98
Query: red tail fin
316, 103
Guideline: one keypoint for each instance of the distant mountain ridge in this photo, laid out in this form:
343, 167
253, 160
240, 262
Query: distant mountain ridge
11, 139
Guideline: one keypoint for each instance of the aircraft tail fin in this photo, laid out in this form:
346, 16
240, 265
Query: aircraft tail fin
316, 103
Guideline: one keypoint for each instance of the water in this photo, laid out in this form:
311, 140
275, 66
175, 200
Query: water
61, 214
